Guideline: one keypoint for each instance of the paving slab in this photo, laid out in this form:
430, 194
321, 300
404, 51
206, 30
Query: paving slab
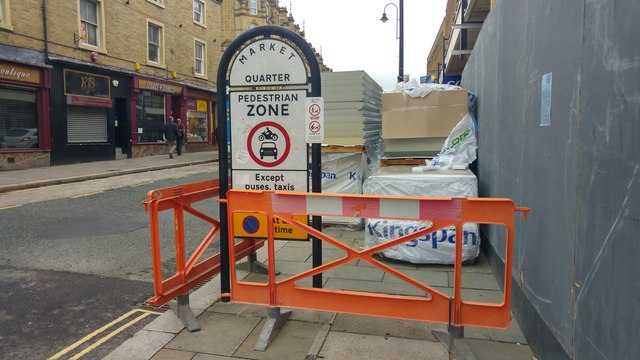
341, 345
170, 354
293, 254
488, 296
428, 277
493, 350
355, 273
211, 357
292, 342
167, 322
292, 267
221, 334
386, 327
142, 346
372, 287
471, 280
232, 308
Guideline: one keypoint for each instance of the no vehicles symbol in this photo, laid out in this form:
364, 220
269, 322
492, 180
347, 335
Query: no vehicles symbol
268, 144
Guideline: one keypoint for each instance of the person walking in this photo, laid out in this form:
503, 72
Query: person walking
180, 139
171, 134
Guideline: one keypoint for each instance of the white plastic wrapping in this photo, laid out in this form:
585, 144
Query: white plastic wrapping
414, 89
342, 173
437, 247
459, 149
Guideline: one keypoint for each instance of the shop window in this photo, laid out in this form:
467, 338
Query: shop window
19, 119
199, 12
253, 7
150, 115
86, 124
91, 24
154, 44
5, 14
197, 120
200, 61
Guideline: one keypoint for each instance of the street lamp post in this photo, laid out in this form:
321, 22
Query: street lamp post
399, 34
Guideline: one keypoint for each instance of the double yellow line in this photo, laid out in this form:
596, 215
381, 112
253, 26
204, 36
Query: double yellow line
105, 338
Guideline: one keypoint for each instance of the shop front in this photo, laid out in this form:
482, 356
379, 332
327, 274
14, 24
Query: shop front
152, 103
200, 120
89, 115
24, 116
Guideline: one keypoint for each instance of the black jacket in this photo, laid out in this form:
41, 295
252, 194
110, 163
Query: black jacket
171, 131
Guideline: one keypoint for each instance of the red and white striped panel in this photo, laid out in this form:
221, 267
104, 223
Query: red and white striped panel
364, 207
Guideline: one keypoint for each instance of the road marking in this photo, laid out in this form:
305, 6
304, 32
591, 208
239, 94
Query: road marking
87, 194
64, 351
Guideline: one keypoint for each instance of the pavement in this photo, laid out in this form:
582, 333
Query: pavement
230, 330
12, 180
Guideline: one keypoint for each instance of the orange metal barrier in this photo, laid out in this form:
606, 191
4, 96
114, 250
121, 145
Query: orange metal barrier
442, 212
190, 272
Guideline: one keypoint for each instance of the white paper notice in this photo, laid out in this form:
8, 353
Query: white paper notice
545, 111
314, 120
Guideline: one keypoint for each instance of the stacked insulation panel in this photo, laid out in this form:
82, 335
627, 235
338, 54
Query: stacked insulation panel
353, 116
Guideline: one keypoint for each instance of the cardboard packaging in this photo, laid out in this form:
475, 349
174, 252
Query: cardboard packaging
434, 115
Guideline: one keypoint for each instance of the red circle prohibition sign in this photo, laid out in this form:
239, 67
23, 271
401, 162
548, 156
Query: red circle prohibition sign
286, 140
314, 110
314, 126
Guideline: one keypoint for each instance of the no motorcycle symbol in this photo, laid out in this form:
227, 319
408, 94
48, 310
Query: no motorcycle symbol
268, 144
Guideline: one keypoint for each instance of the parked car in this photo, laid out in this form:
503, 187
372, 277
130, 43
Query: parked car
20, 138
268, 149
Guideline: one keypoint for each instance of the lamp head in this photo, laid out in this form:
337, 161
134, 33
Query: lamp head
384, 17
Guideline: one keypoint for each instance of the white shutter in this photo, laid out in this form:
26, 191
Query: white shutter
86, 124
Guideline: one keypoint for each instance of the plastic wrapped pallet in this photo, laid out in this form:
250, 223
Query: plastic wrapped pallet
437, 247
342, 174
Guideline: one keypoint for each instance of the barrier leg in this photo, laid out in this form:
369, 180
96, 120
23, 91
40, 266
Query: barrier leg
276, 319
183, 311
454, 341
253, 265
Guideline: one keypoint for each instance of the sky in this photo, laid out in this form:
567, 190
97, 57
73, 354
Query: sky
350, 35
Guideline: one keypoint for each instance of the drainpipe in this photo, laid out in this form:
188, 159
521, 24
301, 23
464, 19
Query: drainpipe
44, 26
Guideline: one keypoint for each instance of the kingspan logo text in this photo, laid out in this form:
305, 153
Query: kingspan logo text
382, 229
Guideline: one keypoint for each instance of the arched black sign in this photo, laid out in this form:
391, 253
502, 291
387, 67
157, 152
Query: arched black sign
257, 61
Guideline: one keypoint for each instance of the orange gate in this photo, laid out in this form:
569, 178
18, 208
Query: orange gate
189, 272
441, 212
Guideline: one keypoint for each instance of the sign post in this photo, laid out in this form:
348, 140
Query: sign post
265, 78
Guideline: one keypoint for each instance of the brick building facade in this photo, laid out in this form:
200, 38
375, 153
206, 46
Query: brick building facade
89, 80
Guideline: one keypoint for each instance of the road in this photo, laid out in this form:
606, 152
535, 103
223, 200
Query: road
76, 258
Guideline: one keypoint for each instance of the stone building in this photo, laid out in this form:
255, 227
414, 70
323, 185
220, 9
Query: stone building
241, 15
88, 80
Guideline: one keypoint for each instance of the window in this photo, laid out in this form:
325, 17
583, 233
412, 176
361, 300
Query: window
90, 23
5, 15
154, 44
197, 120
253, 7
19, 124
150, 116
200, 64
199, 12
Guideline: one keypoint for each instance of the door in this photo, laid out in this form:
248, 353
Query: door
123, 129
